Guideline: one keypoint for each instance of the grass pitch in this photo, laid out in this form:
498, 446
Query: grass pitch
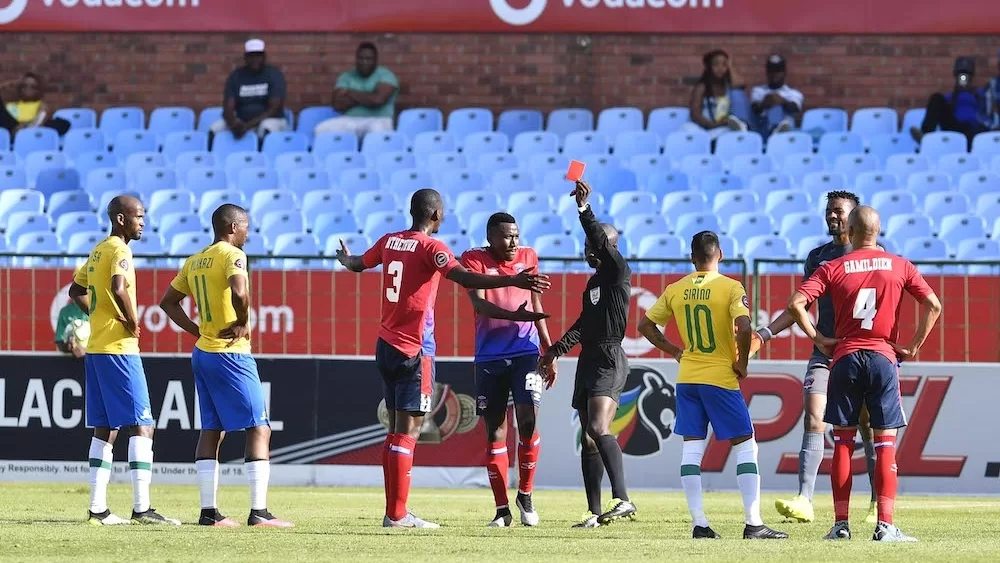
45, 522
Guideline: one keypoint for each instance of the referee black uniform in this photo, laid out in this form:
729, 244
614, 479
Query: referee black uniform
602, 367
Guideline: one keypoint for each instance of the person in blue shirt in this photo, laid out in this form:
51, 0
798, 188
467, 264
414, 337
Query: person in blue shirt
963, 110
364, 98
254, 96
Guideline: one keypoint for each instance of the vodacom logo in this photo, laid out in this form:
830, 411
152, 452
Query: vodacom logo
16, 8
512, 15
534, 9
12, 11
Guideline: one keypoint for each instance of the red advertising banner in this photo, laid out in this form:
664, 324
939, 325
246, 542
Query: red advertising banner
479, 16
323, 312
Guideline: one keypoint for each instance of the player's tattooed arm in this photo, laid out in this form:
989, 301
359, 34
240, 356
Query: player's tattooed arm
80, 296
488, 309
652, 333
171, 305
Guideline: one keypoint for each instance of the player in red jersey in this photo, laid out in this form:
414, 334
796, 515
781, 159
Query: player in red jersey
412, 265
509, 340
866, 287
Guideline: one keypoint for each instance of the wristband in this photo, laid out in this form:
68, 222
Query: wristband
584, 207
765, 337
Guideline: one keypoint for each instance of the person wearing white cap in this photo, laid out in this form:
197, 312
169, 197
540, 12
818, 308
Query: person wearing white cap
364, 97
254, 96
775, 105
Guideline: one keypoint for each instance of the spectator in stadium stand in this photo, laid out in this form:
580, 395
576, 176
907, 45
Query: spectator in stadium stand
963, 110
712, 97
992, 95
66, 341
27, 107
364, 97
254, 96
775, 105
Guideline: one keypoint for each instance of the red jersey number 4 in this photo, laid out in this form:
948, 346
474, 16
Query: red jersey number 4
864, 307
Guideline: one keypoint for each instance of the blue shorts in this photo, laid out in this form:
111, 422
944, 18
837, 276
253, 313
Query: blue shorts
497, 380
117, 395
408, 383
230, 396
698, 405
865, 378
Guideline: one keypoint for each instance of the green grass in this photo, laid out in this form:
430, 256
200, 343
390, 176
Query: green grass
46, 522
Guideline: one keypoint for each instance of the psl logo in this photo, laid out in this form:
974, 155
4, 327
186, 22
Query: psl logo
645, 415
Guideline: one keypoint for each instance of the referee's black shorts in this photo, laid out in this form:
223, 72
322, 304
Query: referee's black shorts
601, 371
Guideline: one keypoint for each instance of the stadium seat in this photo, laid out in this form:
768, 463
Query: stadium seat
275, 223
807, 244
929, 249
797, 226
35, 139
816, 183
389, 162
506, 182
24, 222
380, 223
539, 223
132, 141
657, 249
713, 184
74, 222
187, 160
455, 181
79, 141
986, 145
334, 143
937, 205
988, 207
663, 183
641, 224
177, 143
980, 250
253, 180
557, 246
224, 144
139, 161
186, 244
336, 164
106, 179
667, 120
616, 120
904, 226
318, 201
736, 143
414, 121
543, 163
682, 144
645, 165
521, 203
333, 222
408, 180
203, 179
513, 122
912, 118
869, 122
746, 166
206, 118
852, 164
40, 243
957, 164
696, 166
467, 203
312, 116
762, 184
457, 242
117, 119
632, 143
748, 224
922, 183
564, 121
894, 202
689, 224
529, 143
5, 143
766, 248
288, 163
610, 180
211, 200
975, 184
867, 183
902, 165
354, 241
832, 145
631, 202
430, 142
151, 244
830, 120
79, 118
566, 208
164, 202
236, 162
166, 120
780, 145
576, 145
60, 203
492, 162
375, 144
936, 144
955, 228
270, 200
464, 121
7, 158
51, 180
675, 204
799, 165
173, 224
884, 145
727, 203
555, 185
372, 201
281, 142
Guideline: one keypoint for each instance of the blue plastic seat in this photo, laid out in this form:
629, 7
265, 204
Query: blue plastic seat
464, 121
79, 141
801, 164
610, 180
187, 243
884, 145
41, 246
170, 225
980, 250
542, 163
414, 121
106, 179
166, 120
506, 182
555, 185
530, 143
807, 244
939, 204
923, 183
781, 145
929, 249
458, 180
24, 222
439, 163
408, 180
904, 226
224, 144
728, 203
7, 158
60, 203
936, 144
975, 184
389, 162
151, 244
633, 143
354, 241
986, 145
132, 141
281, 142
616, 120
713, 184
319, 201
663, 183
270, 200
868, 183
581, 143
782, 202
513, 122
375, 144
689, 224
368, 202
852, 164
522, 203
686, 143
666, 120
187, 160
467, 203
564, 121
492, 162
52, 180
164, 202
539, 223
203, 179
288, 163
312, 116
77, 222
430, 142
336, 164
275, 223
657, 249
326, 144
380, 223
644, 165
746, 166
631, 202
5, 141
830, 120
567, 210
236, 162
696, 166
81, 243
212, 199
117, 119
35, 139
333, 222
796, 226
816, 183
675, 204
79, 118
903, 165
206, 118
178, 143
641, 224
557, 246
988, 207
457, 242
894, 202
40, 160
957, 164
955, 228
139, 161
743, 226
832, 145
762, 184
738, 143
253, 180
869, 122
769, 247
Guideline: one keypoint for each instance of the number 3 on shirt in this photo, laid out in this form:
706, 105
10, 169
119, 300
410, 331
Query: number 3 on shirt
864, 308
395, 270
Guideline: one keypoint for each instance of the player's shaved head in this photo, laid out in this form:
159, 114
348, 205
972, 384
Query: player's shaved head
226, 215
424, 203
705, 249
127, 217
864, 225
611, 232
123, 204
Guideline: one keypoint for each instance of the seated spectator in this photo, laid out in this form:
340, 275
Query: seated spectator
27, 107
254, 98
66, 331
775, 105
712, 97
963, 110
365, 97
992, 96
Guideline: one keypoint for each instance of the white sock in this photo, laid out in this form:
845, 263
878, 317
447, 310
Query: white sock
259, 473
691, 455
749, 480
208, 482
100, 474
140, 464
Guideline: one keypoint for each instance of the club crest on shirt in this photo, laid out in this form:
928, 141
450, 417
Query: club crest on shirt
123, 264
238, 263
519, 267
595, 295
441, 259
746, 302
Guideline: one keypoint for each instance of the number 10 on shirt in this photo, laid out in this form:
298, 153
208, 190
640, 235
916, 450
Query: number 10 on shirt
700, 314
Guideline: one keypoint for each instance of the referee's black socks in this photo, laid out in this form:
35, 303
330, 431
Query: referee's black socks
593, 475
611, 453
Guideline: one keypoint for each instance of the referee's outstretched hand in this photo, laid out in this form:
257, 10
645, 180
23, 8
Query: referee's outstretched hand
582, 192
537, 283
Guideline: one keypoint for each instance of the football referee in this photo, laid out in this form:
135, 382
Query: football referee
602, 367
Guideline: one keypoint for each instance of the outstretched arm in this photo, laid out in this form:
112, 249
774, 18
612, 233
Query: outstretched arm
489, 309
523, 280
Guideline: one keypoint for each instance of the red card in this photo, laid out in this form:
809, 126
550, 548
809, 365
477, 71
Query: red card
575, 171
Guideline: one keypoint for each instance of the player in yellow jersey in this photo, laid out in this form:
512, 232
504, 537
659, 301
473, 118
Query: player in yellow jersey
116, 390
706, 306
230, 395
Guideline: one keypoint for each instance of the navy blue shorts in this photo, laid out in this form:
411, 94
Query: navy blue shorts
498, 380
117, 395
408, 383
698, 405
865, 378
230, 396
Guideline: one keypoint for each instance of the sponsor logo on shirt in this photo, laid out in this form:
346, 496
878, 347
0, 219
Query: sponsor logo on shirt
254, 90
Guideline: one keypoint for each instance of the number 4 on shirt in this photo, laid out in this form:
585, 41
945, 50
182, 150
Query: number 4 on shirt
864, 308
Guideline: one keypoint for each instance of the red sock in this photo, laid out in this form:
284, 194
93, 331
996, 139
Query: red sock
527, 457
886, 479
400, 464
385, 469
840, 473
496, 469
